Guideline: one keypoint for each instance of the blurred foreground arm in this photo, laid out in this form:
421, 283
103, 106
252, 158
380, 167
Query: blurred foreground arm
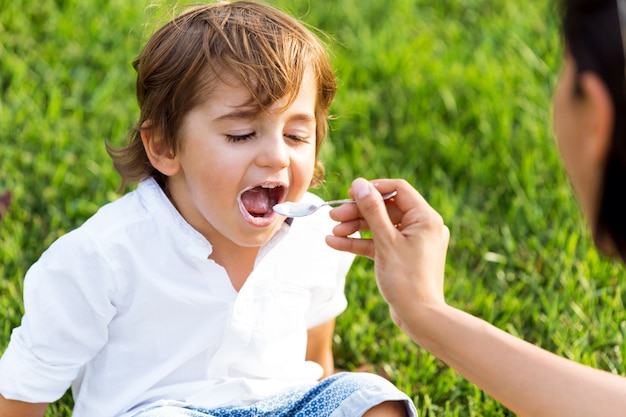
12, 408
319, 347
409, 244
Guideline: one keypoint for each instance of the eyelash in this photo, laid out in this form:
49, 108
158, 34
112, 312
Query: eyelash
241, 138
298, 138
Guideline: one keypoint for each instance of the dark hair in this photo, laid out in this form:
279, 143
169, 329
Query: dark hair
267, 50
593, 36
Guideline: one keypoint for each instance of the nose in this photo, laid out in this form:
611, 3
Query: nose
273, 152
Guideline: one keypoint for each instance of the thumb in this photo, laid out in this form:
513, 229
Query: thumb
373, 209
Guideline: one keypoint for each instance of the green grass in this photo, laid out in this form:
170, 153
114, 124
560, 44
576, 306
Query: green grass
453, 95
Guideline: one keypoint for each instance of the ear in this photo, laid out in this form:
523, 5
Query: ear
160, 155
599, 117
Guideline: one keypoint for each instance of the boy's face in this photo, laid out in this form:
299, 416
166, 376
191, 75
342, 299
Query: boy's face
235, 163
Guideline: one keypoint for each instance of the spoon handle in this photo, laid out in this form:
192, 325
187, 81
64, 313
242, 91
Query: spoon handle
339, 202
349, 200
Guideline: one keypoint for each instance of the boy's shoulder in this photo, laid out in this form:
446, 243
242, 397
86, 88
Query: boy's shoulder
118, 213
133, 211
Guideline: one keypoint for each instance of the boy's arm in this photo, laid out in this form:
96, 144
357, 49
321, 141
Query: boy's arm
320, 346
13, 408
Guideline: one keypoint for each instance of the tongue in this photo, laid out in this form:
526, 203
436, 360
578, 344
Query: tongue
258, 201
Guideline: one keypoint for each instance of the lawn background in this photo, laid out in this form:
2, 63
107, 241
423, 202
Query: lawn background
453, 95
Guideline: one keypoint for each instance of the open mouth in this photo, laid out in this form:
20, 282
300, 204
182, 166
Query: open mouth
258, 201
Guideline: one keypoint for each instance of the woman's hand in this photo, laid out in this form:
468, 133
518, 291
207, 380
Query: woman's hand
409, 243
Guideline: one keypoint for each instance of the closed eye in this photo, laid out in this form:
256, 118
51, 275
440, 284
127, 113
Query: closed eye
240, 138
298, 138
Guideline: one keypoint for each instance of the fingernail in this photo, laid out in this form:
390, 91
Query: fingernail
361, 188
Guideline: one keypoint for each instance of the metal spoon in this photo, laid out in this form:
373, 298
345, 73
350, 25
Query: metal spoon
291, 209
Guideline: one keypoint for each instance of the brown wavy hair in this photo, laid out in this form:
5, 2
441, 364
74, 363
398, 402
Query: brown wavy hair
180, 65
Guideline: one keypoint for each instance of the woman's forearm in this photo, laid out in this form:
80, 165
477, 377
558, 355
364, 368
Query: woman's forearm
525, 378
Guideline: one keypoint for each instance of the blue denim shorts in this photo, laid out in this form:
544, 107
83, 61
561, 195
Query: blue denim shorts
347, 394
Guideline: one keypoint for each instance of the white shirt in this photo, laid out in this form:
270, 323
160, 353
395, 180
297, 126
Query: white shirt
129, 310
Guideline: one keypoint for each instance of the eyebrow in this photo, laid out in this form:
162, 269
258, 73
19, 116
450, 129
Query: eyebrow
302, 117
249, 113
239, 114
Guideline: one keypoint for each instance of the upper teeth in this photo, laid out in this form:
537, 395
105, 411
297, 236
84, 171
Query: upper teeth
269, 185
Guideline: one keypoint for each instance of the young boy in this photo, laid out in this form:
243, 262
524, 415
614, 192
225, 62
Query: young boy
189, 296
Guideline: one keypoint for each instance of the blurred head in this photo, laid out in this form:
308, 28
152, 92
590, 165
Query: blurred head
184, 61
590, 115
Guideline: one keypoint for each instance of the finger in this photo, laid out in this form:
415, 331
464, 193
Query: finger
350, 212
406, 199
373, 210
345, 213
348, 228
361, 247
394, 213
